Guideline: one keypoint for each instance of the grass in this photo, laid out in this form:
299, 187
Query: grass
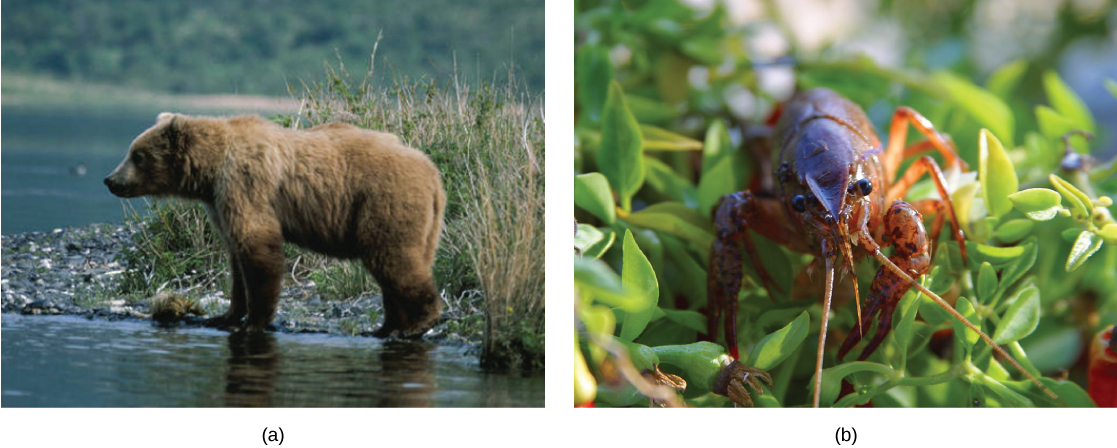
176, 247
488, 144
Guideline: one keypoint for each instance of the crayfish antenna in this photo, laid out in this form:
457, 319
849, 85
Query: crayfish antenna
946, 306
827, 295
844, 232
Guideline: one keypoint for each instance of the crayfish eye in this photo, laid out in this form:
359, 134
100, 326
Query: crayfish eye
799, 203
865, 186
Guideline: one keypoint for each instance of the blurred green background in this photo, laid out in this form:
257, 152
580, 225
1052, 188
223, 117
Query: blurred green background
258, 46
738, 57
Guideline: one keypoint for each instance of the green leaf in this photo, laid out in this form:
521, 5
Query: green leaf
592, 194
1080, 203
1039, 204
1084, 246
1111, 85
586, 235
996, 256
620, 156
940, 284
593, 242
961, 332
1109, 233
650, 111
689, 277
705, 50
1070, 394
1006, 394
1003, 82
637, 274
1067, 102
988, 110
659, 139
664, 180
594, 73
1020, 265
598, 319
995, 171
1054, 126
963, 199
678, 220
691, 319
1021, 319
724, 170
909, 307
776, 347
595, 278
986, 283
1014, 230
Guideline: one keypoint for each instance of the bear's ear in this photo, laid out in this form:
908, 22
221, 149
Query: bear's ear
165, 116
175, 130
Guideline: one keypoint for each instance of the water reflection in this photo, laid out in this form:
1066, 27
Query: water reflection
70, 361
253, 362
406, 366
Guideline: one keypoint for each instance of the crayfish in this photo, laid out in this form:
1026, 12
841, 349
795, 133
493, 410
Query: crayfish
837, 195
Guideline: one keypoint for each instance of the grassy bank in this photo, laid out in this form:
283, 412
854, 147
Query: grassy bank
488, 143
42, 91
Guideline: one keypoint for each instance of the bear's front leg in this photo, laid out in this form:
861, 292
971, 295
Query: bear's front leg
260, 255
238, 302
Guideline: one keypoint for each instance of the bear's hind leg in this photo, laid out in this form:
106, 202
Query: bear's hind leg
412, 304
390, 299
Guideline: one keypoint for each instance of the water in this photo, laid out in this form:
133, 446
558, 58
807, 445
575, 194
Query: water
42, 150
66, 361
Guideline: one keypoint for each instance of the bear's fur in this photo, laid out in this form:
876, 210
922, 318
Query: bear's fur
335, 189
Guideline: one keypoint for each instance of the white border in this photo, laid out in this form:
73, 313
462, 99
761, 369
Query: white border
559, 424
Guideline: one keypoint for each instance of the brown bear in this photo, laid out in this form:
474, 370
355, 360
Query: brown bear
335, 189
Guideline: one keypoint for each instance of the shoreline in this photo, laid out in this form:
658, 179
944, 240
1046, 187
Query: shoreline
73, 271
21, 90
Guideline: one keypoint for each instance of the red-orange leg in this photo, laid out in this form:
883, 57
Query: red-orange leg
896, 150
731, 216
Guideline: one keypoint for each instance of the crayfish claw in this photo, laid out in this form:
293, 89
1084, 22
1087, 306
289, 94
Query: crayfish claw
658, 378
732, 379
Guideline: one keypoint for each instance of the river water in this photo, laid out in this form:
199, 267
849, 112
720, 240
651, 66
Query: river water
67, 361
53, 164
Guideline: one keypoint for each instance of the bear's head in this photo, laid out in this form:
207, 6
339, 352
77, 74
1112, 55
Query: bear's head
155, 162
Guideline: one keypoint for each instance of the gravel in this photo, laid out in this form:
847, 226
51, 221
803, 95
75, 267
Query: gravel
74, 271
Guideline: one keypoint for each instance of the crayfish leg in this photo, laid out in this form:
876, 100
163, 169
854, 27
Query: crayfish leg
926, 164
896, 151
732, 217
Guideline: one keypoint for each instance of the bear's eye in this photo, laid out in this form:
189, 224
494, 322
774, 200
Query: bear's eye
138, 158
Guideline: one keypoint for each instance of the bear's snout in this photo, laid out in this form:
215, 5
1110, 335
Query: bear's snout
116, 187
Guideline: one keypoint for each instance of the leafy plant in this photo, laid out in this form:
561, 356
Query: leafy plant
654, 154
